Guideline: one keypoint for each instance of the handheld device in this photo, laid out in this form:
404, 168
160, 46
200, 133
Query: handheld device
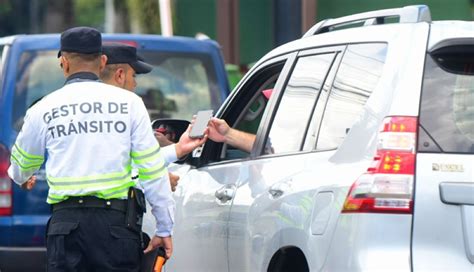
200, 124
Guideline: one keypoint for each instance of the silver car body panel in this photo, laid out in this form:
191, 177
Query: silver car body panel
443, 231
443, 224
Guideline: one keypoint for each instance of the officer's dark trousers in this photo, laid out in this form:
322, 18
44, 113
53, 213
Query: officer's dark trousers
91, 239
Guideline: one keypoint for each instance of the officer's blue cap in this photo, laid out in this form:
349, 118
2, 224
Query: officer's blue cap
122, 53
83, 40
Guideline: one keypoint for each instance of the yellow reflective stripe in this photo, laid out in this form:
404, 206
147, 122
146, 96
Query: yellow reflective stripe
152, 158
25, 166
147, 178
146, 156
151, 173
27, 155
90, 178
91, 184
24, 162
136, 154
157, 166
151, 177
117, 192
98, 184
53, 199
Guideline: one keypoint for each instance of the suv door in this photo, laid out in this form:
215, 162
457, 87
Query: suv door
259, 214
443, 223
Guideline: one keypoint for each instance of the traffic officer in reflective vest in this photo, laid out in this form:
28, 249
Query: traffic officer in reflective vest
93, 133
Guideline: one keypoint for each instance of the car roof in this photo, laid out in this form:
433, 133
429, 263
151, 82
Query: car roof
440, 31
445, 33
376, 33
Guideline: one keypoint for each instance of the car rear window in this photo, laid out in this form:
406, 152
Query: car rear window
179, 85
447, 101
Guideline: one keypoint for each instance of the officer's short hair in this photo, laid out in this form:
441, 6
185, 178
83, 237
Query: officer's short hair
82, 57
110, 69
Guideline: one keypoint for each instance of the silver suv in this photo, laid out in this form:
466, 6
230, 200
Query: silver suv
362, 159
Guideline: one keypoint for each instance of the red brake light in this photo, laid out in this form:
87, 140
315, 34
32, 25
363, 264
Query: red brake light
393, 163
5, 183
387, 185
400, 124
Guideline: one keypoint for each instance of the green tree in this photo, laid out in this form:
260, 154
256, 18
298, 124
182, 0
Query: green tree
89, 13
147, 14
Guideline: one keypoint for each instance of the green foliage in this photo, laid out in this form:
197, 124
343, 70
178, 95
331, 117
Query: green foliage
5, 7
147, 13
89, 12
194, 16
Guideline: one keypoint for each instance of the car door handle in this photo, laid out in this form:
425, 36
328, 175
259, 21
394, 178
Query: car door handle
278, 189
275, 193
225, 193
460, 193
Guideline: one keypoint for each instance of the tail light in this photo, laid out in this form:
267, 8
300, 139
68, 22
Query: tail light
5, 183
387, 186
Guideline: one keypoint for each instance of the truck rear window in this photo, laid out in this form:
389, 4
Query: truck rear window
447, 101
179, 85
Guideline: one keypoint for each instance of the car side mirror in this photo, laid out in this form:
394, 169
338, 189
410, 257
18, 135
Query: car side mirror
171, 129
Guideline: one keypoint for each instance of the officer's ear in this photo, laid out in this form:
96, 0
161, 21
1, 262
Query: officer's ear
64, 63
103, 62
119, 75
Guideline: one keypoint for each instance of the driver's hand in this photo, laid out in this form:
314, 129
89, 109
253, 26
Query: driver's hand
29, 184
162, 139
186, 144
173, 181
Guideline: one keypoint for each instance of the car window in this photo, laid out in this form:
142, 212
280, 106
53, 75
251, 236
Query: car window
288, 129
316, 119
356, 78
251, 116
179, 85
247, 109
447, 102
38, 74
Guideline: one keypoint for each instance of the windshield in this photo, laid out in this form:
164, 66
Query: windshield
38, 73
179, 85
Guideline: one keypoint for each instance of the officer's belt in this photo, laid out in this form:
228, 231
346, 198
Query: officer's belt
91, 202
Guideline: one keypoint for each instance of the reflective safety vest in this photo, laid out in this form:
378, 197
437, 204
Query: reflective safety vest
91, 135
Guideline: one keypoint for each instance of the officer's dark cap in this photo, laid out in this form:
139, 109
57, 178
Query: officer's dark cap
83, 40
121, 53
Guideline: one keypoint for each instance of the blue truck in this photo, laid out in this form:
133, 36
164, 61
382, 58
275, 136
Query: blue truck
188, 75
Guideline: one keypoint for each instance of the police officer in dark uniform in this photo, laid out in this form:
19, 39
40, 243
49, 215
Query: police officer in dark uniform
92, 132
